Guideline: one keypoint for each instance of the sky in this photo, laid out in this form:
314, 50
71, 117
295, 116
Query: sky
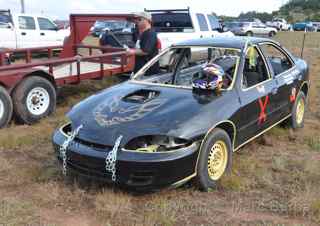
60, 9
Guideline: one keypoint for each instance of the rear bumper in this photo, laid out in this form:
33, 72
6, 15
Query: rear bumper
136, 170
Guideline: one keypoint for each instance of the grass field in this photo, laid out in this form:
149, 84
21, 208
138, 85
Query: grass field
275, 179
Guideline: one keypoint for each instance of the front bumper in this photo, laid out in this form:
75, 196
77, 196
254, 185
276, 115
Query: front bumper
136, 170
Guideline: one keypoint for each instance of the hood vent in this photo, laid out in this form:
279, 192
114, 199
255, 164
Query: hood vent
141, 96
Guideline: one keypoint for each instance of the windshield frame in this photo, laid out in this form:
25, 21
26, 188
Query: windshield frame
137, 75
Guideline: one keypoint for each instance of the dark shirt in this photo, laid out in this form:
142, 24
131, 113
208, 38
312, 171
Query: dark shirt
148, 44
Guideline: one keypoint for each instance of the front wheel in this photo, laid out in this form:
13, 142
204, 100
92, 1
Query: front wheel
298, 111
214, 159
33, 99
6, 107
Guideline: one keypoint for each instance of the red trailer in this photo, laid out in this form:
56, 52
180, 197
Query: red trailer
29, 89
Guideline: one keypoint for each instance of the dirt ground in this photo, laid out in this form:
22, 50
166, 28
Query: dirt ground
274, 181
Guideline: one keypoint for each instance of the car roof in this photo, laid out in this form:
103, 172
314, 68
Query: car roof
235, 42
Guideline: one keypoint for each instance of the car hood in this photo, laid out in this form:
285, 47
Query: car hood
164, 111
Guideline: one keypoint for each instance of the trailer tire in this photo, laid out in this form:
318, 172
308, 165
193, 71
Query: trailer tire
6, 107
33, 99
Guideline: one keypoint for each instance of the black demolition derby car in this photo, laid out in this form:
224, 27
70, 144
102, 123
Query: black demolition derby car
184, 113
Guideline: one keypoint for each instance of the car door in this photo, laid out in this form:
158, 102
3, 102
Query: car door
285, 75
255, 28
263, 29
256, 93
27, 33
8, 36
48, 32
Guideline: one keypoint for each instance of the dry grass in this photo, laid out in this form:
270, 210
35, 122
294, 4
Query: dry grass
274, 181
113, 206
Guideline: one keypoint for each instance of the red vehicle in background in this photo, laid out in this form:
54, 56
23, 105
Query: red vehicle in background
29, 89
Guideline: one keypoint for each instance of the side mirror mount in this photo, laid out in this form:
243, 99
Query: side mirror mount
10, 25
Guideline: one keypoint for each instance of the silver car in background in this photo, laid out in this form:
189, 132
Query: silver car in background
251, 29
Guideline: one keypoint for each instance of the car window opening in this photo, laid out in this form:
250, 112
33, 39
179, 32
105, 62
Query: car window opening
278, 61
255, 70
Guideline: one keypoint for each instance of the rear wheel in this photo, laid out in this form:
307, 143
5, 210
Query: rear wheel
33, 99
214, 159
298, 111
272, 33
6, 107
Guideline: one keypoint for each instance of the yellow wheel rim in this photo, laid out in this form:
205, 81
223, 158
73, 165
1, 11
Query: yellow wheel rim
300, 111
217, 160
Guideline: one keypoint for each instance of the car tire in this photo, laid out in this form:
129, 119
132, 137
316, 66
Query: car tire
33, 99
6, 107
217, 145
249, 33
272, 33
298, 111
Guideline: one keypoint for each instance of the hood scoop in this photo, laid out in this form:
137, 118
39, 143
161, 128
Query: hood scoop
141, 96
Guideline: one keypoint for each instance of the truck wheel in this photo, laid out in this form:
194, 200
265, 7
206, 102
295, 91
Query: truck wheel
214, 159
249, 33
34, 99
6, 107
298, 111
272, 33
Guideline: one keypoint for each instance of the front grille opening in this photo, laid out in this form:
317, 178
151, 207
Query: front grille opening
91, 144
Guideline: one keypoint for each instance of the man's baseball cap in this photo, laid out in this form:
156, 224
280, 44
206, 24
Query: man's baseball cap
144, 15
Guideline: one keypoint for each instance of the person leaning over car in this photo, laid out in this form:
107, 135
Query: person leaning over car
147, 45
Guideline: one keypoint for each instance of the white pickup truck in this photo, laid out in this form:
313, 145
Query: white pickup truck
176, 25
25, 31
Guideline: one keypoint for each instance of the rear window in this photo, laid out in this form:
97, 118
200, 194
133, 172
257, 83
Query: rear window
5, 17
172, 22
202, 22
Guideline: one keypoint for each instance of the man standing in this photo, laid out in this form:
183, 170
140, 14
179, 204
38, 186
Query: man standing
146, 45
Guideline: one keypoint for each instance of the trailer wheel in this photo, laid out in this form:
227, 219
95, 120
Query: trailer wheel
33, 99
6, 107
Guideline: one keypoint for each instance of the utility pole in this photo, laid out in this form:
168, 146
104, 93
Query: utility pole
22, 6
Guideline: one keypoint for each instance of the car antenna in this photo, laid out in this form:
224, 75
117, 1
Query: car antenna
303, 42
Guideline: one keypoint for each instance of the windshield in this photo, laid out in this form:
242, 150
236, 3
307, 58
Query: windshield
182, 66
